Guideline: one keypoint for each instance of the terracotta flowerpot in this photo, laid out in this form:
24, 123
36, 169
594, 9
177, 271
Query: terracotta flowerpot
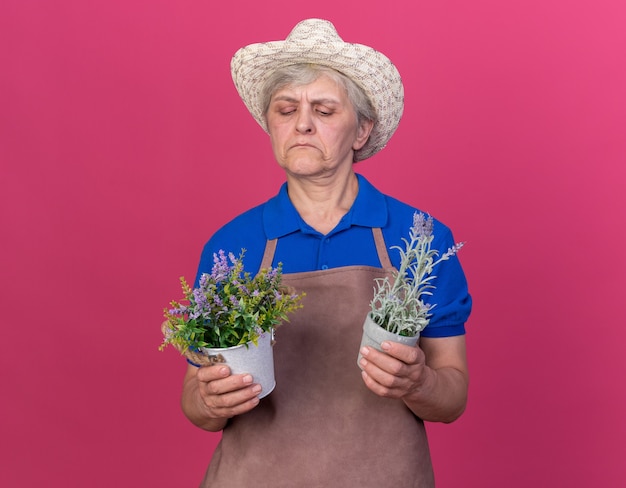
247, 358
374, 335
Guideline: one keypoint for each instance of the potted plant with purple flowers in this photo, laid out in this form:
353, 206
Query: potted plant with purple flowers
398, 312
231, 317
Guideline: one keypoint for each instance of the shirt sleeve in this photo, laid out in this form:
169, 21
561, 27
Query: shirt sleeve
244, 233
452, 303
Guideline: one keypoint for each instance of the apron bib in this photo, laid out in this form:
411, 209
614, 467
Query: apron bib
321, 426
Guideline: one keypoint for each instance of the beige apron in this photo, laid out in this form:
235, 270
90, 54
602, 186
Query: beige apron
321, 426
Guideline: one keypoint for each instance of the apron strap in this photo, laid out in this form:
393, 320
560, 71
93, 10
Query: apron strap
268, 255
379, 240
381, 248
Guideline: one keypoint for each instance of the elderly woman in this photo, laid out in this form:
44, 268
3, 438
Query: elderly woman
327, 104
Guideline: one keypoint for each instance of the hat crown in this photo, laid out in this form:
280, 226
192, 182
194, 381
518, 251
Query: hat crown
313, 31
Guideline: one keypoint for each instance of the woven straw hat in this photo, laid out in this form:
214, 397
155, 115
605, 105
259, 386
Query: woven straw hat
316, 41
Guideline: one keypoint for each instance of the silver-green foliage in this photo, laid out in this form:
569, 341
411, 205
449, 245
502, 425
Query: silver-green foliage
398, 304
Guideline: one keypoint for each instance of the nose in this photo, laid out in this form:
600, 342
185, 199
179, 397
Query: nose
304, 123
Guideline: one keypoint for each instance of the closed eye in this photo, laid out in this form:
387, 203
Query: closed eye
324, 112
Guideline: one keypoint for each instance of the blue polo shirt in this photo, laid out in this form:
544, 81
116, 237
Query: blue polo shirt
302, 248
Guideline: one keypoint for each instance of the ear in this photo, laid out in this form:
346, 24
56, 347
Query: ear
362, 134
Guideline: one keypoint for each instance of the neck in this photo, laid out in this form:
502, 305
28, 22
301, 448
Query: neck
323, 202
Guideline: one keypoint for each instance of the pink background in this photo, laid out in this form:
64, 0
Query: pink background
123, 147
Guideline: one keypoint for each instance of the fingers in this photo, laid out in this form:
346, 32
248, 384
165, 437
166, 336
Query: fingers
380, 372
225, 395
394, 372
402, 352
395, 356
212, 373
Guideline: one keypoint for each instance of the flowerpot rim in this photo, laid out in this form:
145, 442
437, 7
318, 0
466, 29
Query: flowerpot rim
371, 319
232, 348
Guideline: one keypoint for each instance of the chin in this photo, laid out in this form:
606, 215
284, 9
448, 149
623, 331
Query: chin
303, 167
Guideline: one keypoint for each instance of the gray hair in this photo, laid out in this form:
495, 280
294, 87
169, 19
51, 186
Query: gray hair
305, 73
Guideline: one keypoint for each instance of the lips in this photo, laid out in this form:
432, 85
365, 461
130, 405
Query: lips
302, 146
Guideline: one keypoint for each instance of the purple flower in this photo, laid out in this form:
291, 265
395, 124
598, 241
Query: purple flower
271, 274
454, 249
422, 225
204, 280
200, 298
202, 304
243, 289
220, 266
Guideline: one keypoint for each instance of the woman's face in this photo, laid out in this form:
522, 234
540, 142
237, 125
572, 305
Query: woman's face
313, 128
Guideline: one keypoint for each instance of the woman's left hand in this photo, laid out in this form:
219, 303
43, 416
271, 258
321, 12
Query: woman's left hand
431, 379
395, 373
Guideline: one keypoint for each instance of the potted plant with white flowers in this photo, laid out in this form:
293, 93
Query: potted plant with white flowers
398, 311
230, 317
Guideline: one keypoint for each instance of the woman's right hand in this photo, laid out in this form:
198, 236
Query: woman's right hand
212, 395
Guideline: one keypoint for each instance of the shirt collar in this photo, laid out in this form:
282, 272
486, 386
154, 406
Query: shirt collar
369, 209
